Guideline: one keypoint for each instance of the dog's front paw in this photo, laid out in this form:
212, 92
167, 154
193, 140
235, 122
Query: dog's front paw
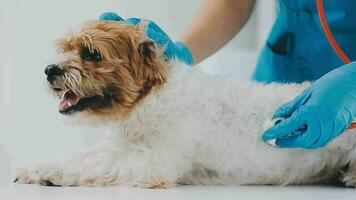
24, 177
46, 174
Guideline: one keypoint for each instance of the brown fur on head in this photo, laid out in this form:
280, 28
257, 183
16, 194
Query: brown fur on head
109, 68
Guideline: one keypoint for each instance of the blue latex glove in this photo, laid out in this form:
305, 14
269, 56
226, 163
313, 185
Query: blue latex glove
326, 108
172, 50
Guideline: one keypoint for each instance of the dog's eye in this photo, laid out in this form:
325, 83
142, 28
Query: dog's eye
88, 55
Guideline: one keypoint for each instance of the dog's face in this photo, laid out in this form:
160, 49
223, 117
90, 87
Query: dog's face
108, 68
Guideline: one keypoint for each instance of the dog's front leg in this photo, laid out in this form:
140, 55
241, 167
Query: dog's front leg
94, 168
110, 166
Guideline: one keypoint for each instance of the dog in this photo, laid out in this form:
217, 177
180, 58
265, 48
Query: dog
171, 123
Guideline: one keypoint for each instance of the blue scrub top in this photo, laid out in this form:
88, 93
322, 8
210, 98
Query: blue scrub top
297, 49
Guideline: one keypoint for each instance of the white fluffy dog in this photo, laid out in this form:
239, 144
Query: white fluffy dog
171, 123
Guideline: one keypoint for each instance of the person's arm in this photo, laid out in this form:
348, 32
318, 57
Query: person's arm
217, 22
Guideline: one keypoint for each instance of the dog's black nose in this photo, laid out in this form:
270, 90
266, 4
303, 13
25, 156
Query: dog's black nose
52, 71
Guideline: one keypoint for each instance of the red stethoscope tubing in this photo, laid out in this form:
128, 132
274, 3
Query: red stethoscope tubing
329, 35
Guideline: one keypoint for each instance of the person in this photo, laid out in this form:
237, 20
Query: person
297, 50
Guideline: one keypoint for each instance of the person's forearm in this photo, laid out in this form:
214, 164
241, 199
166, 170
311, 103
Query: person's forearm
218, 21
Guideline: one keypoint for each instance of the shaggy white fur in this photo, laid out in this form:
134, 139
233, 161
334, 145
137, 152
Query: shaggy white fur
200, 129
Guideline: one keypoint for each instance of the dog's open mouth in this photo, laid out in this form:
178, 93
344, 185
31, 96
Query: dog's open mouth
71, 103
68, 101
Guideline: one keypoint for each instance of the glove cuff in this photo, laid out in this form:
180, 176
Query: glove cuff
110, 16
184, 53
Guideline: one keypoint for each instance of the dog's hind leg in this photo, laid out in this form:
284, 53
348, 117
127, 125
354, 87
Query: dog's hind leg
348, 175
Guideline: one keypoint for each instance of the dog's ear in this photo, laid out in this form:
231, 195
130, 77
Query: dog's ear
148, 49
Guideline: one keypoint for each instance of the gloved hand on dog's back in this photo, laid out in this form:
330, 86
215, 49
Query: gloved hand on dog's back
325, 110
172, 49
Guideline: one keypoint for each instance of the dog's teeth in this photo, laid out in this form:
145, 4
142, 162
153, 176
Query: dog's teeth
69, 104
62, 95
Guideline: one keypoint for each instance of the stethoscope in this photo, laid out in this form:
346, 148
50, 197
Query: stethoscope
329, 35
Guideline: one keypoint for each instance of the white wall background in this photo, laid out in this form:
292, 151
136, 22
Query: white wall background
30, 126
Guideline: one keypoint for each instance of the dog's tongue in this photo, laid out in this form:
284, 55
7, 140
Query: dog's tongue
68, 101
